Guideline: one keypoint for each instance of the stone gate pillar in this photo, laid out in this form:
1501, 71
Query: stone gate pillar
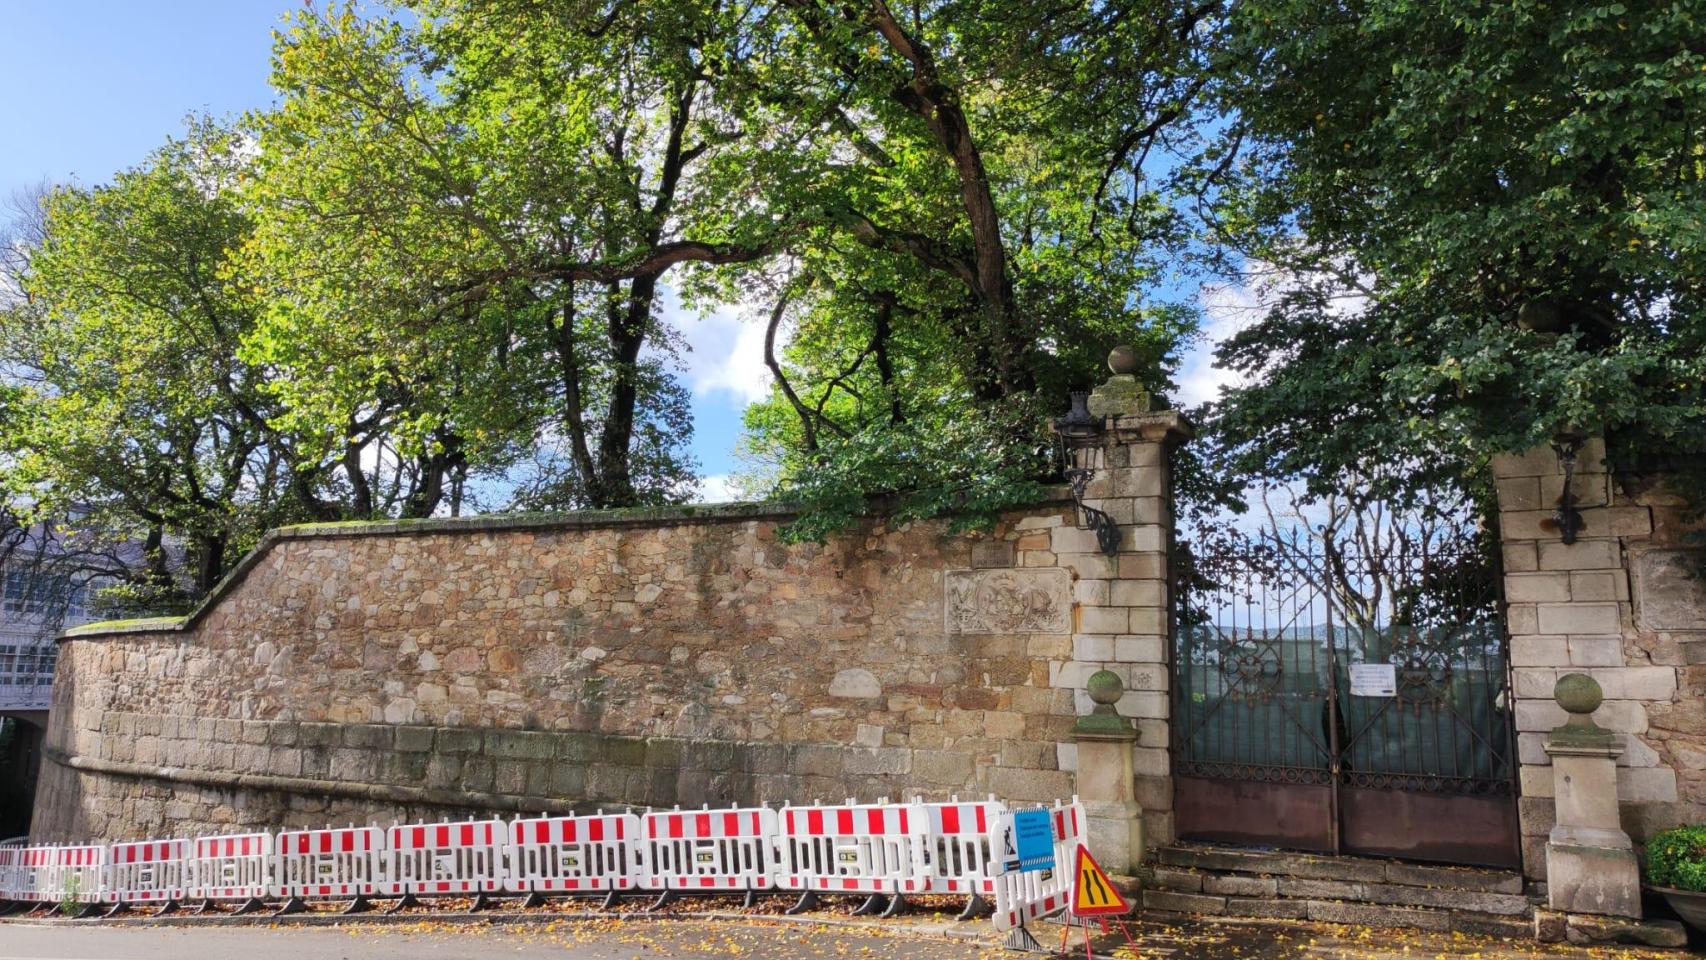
1119, 554
1598, 576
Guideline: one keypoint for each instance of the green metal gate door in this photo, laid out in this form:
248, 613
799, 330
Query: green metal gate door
1331, 700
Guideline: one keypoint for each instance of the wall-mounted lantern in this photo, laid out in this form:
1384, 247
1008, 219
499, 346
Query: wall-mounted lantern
1080, 434
1568, 446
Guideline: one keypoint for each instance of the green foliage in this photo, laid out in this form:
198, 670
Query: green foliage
981, 224
458, 206
1489, 216
1677, 858
134, 415
969, 468
68, 904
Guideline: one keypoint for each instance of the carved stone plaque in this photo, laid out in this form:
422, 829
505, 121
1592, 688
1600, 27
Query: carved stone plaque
1009, 601
1668, 593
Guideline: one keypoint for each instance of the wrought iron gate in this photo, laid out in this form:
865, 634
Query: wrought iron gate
1337, 700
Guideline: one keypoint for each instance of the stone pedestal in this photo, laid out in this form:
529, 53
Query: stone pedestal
1105, 782
1590, 861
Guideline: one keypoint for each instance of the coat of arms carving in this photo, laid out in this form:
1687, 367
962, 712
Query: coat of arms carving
1009, 601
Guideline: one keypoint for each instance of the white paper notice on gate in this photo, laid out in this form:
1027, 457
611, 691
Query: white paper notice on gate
1374, 680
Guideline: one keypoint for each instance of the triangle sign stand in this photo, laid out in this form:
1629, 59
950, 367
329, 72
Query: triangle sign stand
1093, 894
1094, 897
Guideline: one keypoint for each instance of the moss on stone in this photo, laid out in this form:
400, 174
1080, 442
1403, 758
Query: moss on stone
137, 623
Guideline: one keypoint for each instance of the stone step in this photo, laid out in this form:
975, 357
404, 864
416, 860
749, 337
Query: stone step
1189, 881
1368, 870
1333, 911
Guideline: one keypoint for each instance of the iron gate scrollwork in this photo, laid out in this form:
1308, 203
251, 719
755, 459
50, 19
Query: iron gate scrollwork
1273, 743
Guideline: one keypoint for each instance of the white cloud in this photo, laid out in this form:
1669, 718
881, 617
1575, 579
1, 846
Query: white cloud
725, 349
1227, 309
717, 488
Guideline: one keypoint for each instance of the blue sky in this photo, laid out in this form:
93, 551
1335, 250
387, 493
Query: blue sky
93, 85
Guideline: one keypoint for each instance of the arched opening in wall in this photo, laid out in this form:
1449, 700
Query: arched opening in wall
20, 766
1341, 681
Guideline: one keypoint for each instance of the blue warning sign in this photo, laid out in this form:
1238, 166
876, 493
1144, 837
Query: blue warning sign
1033, 837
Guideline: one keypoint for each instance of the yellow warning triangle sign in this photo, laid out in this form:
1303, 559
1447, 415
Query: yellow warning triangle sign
1093, 894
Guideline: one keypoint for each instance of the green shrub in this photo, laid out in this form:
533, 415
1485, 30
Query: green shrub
1677, 858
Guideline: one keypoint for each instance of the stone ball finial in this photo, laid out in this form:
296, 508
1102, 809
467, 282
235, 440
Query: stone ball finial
1578, 693
1122, 360
1105, 687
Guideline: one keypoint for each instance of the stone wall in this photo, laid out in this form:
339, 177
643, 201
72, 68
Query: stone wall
378, 671
1622, 604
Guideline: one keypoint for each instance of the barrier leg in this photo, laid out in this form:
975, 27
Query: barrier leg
290, 906
976, 909
115, 910
611, 899
664, 899
404, 901
206, 906
896, 907
751, 899
170, 906
807, 901
533, 899
359, 905
875, 903
85, 911
1020, 938
251, 905
481, 902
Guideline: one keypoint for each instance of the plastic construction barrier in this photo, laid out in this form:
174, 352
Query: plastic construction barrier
147, 871
587, 854
445, 859
35, 871
883, 851
872, 849
711, 851
73, 874
336, 862
231, 867
11, 871
1023, 896
960, 848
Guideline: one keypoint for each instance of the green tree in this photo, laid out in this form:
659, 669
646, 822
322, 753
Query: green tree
1491, 218
499, 190
986, 210
132, 415
135, 415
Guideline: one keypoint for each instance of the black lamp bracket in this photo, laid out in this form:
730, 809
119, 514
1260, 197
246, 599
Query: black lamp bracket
1568, 446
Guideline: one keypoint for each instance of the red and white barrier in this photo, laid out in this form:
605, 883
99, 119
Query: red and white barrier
73, 873
11, 871
147, 871
1023, 897
35, 868
438, 859
961, 846
334, 862
858, 848
883, 851
593, 854
710, 850
231, 867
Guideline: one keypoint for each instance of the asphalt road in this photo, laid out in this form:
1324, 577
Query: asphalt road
594, 940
